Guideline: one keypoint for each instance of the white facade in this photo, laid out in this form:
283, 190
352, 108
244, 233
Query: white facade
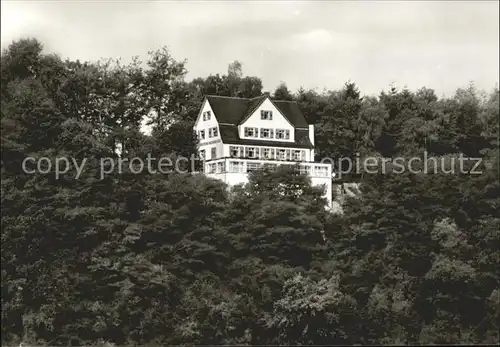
208, 141
232, 160
278, 121
235, 171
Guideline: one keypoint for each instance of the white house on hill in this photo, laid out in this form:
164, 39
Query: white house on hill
239, 135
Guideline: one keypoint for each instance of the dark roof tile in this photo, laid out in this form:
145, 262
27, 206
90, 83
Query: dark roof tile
292, 111
229, 134
230, 112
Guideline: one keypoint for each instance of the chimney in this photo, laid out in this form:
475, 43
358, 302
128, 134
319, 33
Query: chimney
311, 133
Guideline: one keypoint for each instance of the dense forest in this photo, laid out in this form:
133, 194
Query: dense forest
182, 259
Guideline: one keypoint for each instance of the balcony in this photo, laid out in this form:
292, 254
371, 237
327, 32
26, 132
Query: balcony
220, 167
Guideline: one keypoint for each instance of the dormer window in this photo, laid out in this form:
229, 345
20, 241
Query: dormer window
251, 132
266, 133
283, 134
266, 115
207, 115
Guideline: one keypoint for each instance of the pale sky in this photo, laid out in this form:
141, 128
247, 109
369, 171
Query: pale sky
323, 44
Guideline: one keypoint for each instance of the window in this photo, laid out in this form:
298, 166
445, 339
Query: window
212, 132
283, 134
213, 153
266, 115
220, 167
251, 132
266, 133
321, 171
297, 155
211, 168
268, 153
251, 152
201, 135
234, 151
281, 154
207, 115
305, 170
253, 167
202, 154
235, 166
270, 167
288, 156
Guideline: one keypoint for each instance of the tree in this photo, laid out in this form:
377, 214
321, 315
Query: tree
282, 93
337, 131
311, 312
312, 105
234, 70
130, 257
282, 221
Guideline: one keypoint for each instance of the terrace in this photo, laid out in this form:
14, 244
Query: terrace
224, 166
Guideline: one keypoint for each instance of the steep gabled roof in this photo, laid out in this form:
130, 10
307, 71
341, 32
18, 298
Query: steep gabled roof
228, 110
253, 104
231, 110
292, 111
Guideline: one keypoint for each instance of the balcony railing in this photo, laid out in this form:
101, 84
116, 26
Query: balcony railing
241, 165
